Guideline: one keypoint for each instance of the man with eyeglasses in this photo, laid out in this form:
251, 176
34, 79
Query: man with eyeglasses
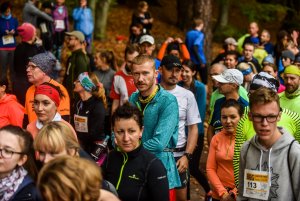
289, 120
290, 98
270, 161
38, 70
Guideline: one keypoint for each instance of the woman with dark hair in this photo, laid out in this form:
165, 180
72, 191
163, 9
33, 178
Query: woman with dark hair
198, 88
89, 112
220, 157
136, 173
46, 101
12, 112
17, 169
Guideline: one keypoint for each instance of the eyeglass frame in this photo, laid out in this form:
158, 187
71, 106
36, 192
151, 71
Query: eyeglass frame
11, 154
262, 118
32, 67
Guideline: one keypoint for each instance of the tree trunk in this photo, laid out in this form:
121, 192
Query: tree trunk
102, 8
185, 14
223, 18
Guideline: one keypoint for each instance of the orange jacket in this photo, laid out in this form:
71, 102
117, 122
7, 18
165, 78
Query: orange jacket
219, 166
11, 112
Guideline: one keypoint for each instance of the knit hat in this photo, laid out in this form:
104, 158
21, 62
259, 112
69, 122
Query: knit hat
45, 61
26, 31
292, 69
264, 79
230, 76
288, 54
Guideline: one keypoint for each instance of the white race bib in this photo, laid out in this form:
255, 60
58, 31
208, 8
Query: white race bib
81, 124
43, 27
8, 39
256, 184
59, 24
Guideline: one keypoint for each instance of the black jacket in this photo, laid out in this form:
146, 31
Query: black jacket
27, 191
137, 175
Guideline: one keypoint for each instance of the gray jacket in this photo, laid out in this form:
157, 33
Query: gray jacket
274, 160
31, 13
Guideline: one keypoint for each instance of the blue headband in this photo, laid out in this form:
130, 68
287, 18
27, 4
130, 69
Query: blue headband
247, 71
86, 82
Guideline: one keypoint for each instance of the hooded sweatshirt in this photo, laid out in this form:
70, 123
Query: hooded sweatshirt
274, 161
12, 112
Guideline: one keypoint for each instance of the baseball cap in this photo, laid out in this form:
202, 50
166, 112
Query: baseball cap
288, 54
264, 79
147, 38
231, 41
78, 34
230, 76
171, 61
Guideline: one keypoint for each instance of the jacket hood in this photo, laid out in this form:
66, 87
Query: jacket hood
8, 98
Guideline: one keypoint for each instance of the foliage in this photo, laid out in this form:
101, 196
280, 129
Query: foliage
221, 33
262, 12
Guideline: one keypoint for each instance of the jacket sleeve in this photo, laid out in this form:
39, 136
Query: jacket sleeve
211, 169
162, 51
77, 13
16, 115
164, 131
184, 52
35, 11
157, 184
82, 63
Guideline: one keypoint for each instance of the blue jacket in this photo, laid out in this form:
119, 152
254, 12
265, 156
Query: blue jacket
8, 24
200, 95
27, 191
83, 20
161, 117
195, 38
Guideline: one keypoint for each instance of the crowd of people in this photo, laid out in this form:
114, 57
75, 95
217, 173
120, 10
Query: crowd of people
84, 128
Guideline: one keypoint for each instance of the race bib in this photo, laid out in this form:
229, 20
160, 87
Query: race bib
59, 24
256, 184
43, 27
81, 124
8, 39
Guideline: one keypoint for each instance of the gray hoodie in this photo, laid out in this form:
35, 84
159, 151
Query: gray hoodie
274, 160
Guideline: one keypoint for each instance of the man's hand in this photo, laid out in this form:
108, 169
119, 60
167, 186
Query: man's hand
182, 164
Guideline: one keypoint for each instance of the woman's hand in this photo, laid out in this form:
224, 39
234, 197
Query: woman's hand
226, 197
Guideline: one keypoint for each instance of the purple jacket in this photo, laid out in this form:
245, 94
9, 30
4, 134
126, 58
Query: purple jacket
59, 17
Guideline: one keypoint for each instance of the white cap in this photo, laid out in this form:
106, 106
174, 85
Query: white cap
230, 76
231, 40
147, 38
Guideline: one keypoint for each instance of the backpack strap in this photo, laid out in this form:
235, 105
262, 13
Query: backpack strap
289, 166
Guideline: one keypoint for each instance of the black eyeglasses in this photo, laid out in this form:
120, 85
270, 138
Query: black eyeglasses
5, 153
269, 118
31, 67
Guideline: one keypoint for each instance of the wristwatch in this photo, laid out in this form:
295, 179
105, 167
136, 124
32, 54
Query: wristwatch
188, 156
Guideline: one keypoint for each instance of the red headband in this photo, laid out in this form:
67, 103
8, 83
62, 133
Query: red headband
49, 91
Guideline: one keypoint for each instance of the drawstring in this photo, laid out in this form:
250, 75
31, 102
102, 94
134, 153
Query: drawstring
260, 160
270, 165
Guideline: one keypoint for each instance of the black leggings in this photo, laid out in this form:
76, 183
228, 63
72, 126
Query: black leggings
194, 167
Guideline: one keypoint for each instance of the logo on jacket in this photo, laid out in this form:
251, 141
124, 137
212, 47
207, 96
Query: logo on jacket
134, 177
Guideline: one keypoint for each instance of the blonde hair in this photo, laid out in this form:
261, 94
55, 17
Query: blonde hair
143, 58
56, 137
70, 179
99, 92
